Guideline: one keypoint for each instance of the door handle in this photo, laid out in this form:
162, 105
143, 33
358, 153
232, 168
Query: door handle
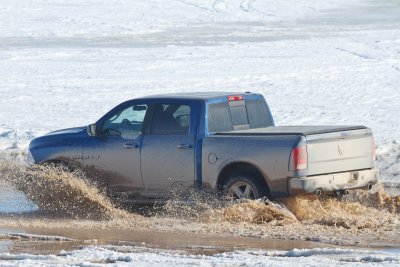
130, 146
184, 146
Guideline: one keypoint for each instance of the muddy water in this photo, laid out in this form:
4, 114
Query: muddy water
38, 246
60, 191
74, 207
360, 209
192, 243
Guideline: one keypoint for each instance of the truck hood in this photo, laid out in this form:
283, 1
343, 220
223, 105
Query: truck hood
68, 131
58, 138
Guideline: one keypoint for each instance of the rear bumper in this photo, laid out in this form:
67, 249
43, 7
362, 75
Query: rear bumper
333, 182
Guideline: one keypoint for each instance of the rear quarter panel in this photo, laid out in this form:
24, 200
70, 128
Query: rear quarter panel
269, 154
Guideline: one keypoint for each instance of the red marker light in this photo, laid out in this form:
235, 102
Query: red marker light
235, 97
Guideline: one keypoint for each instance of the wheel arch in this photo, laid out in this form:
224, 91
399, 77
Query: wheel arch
242, 167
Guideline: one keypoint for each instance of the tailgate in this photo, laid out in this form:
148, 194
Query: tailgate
340, 151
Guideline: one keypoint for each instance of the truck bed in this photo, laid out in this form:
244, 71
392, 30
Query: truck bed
330, 149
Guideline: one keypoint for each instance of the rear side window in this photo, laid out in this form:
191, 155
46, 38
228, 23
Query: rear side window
224, 117
171, 119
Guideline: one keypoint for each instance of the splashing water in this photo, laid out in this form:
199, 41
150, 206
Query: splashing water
71, 195
208, 207
60, 192
380, 199
360, 209
259, 211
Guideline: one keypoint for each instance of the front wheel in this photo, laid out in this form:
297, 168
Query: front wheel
243, 186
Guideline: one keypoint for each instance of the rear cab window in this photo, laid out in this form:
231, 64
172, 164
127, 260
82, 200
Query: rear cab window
238, 113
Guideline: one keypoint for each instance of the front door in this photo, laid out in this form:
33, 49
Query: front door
114, 155
168, 149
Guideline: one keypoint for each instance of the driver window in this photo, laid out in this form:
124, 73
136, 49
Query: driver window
126, 123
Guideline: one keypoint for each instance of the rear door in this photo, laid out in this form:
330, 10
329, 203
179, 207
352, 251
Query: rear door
168, 157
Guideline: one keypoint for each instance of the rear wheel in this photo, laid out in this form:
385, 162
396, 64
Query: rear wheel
243, 186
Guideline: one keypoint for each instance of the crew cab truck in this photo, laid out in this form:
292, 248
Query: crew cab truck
149, 146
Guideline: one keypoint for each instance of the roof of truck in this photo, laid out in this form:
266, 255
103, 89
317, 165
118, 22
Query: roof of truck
196, 95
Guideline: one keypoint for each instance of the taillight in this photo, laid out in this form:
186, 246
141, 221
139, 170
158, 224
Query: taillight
299, 158
373, 149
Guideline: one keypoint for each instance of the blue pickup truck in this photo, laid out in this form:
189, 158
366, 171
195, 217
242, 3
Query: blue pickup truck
225, 142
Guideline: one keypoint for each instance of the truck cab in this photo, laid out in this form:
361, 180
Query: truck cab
154, 144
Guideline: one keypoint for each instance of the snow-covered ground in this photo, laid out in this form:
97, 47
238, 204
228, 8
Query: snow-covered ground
65, 63
139, 256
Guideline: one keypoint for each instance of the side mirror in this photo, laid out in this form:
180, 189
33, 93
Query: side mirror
91, 129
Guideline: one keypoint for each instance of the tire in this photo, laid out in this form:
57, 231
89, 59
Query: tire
243, 186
